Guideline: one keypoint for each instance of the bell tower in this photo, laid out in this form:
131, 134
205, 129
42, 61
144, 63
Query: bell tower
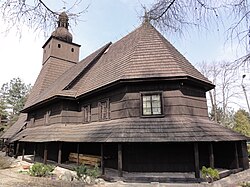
60, 45
59, 55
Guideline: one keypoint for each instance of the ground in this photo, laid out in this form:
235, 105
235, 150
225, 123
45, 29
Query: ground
13, 178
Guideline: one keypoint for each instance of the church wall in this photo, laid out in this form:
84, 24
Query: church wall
124, 101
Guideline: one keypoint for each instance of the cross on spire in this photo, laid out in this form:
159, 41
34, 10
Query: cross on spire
146, 18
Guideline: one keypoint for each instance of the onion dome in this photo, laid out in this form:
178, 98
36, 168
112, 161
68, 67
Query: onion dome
62, 32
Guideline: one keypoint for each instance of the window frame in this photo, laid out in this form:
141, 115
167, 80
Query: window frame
151, 93
47, 117
100, 110
86, 113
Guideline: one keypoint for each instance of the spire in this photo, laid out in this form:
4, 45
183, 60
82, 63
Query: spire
146, 17
62, 32
63, 20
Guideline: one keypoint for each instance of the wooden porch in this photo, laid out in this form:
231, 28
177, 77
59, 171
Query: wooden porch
119, 165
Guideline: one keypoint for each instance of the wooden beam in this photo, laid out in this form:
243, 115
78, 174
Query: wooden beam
119, 160
34, 153
243, 155
17, 149
78, 149
236, 156
45, 153
23, 151
211, 155
59, 159
102, 159
196, 161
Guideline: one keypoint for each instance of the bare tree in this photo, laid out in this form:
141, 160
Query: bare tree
179, 15
211, 71
176, 15
35, 14
226, 91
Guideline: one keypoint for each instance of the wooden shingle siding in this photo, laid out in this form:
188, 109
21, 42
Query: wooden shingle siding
187, 101
125, 102
185, 110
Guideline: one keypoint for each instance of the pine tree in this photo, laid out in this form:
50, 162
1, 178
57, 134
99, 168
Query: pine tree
242, 122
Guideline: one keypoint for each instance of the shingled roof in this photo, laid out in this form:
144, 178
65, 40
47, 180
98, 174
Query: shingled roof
142, 54
16, 127
181, 129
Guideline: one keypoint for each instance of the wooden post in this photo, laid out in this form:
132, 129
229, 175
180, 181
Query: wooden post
23, 151
45, 153
78, 149
119, 160
244, 155
236, 156
196, 161
17, 149
102, 159
59, 159
211, 155
34, 153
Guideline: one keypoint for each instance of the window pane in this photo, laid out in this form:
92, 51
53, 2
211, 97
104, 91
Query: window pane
146, 102
156, 110
146, 111
146, 98
156, 104
156, 97
151, 104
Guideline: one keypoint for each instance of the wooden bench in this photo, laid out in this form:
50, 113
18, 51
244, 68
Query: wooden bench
91, 160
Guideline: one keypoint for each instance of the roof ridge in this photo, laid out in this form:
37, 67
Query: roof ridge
135, 47
95, 59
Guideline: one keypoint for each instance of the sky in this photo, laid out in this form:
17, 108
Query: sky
105, 21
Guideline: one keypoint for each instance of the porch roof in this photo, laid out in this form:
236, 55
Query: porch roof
178, 129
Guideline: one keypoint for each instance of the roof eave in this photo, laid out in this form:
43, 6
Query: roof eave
205, 85
41, 103
59, 40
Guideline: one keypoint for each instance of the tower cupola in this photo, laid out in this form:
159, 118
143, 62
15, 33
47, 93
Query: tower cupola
62, 32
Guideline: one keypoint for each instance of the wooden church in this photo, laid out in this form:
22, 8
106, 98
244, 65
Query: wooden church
137, 104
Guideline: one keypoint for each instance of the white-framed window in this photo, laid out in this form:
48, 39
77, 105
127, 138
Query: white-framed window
151, 104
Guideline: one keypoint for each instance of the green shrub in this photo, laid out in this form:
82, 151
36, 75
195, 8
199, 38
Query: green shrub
245, 184
83, 172
41, 170
210, 174
5, 162
94, 173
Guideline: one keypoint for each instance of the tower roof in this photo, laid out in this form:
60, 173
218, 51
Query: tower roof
62, 32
